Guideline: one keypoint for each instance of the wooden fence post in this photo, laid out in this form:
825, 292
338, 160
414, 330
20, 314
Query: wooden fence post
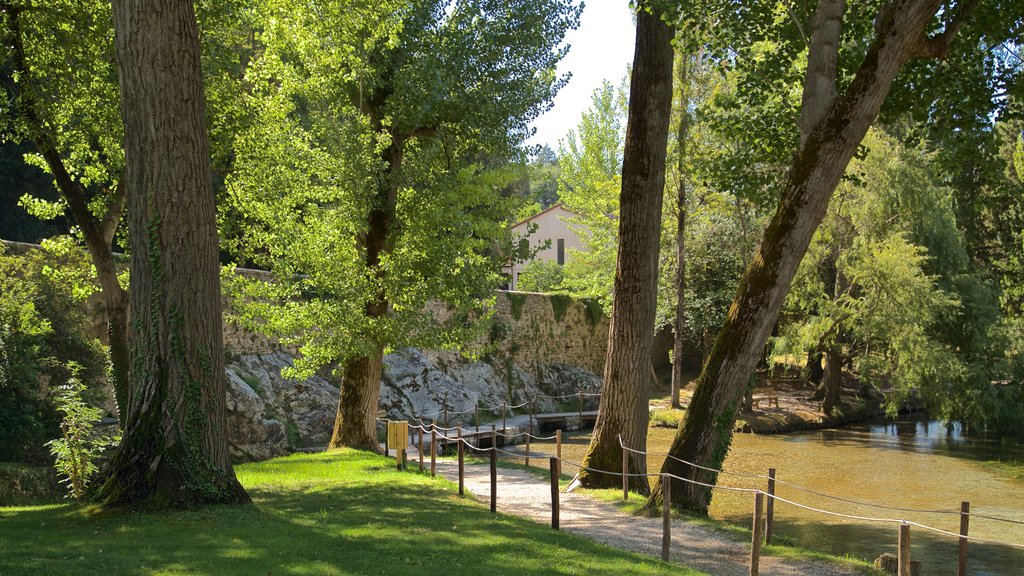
625, 477
504, 410
462, 467
965, 520
903, 552
666, 523
494, 436
476, 418
579, 396
769, 512
494, 479
558, 449
433, 448
527, 448
755, 541
387, 449
555, 471
446, 413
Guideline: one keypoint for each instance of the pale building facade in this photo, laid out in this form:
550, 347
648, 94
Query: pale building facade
553, 231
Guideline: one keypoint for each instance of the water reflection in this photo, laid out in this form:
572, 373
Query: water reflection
909, 463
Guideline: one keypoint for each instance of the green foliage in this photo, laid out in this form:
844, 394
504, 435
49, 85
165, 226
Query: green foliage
593, 309
351, 108
70, 99
888, 276
590, 160
76, 451
516, 302
559, 304
43, 328
540, 276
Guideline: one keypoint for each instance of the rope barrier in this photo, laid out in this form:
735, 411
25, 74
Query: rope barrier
973, 515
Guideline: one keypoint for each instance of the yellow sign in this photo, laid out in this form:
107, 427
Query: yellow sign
398, 435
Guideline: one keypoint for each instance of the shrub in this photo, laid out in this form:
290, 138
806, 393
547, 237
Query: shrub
76, 451
43, 328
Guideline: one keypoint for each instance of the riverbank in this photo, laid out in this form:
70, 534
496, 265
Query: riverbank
785, 405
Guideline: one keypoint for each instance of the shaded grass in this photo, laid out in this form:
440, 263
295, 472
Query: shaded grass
340, 512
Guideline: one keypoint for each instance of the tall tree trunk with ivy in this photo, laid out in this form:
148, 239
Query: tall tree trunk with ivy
174, 452
623, 410
903, 30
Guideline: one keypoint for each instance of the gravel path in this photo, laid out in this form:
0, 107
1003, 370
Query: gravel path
523, 494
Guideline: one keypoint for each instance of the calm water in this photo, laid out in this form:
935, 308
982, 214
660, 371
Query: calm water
907, 464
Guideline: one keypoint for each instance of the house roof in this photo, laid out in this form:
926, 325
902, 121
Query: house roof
544, 211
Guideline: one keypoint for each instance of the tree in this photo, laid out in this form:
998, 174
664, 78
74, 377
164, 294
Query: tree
623, 410
863, 292
903, 30
370, 180
174, 451
64, 99
589, 183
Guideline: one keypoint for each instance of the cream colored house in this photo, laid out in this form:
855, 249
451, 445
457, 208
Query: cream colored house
552, 229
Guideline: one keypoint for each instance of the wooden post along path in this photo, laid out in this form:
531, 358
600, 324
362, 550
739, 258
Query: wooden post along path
965, 520
494, 479
462, 465
769, 516
666, 522
556, 466
625, 477
903, 552
433, 448
755, 541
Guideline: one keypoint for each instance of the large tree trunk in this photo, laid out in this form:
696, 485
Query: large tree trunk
679, 329
704, 437
174, 452
97, 233
623, 409
355, 425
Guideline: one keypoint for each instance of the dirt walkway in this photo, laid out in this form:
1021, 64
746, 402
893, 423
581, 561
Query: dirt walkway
523, 494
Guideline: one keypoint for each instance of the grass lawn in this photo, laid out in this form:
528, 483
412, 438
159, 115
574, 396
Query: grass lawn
341, 512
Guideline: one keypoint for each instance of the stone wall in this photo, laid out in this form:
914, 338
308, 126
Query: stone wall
534, 330
537, 344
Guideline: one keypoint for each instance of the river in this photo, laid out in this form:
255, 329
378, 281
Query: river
911, 463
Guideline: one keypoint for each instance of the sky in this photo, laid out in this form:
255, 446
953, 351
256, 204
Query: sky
600, 49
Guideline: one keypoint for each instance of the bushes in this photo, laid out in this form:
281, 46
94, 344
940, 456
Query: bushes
43, 328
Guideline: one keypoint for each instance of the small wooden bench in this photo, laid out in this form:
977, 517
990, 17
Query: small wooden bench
770, 399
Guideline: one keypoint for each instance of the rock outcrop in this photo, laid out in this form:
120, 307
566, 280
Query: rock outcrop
270, 415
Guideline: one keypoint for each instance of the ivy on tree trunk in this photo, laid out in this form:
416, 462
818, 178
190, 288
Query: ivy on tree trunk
174, 452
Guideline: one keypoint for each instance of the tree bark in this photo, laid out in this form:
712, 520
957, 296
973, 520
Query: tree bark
704, 437
679, 329
822, 60
814, 370
356, 423
833, 376
98, 234
174, 452
623, 409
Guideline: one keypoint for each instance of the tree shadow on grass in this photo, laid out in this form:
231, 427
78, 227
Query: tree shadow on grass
393, 523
